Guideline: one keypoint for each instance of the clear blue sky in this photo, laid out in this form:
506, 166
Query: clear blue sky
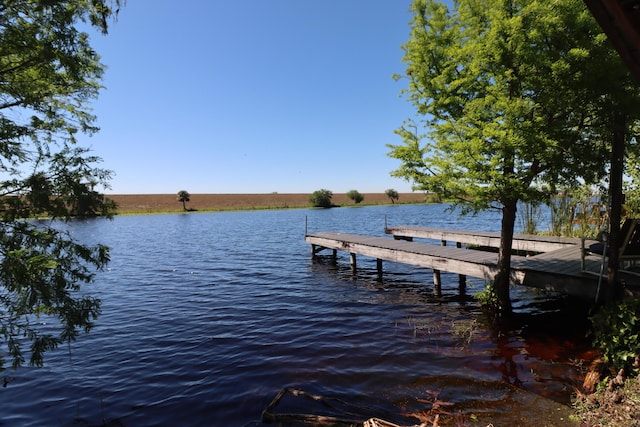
252, 96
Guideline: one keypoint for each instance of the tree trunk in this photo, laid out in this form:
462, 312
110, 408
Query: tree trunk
502, 281
616, 198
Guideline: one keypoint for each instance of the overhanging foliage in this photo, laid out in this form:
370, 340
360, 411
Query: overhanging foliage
48, 75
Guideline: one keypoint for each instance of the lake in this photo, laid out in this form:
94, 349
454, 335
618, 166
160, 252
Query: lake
207, 316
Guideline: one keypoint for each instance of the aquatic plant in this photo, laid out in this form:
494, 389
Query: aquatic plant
464, 330
530, 218
488, 299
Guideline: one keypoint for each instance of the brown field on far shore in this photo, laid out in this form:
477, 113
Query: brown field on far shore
161, 203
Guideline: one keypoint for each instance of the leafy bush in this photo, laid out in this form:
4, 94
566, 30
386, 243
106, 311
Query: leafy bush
616, 332
355, 195
321, 198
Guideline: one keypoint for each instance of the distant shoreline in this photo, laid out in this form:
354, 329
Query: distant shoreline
168, 203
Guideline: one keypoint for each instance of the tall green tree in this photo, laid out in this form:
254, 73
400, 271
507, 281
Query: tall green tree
513, 98
48, 75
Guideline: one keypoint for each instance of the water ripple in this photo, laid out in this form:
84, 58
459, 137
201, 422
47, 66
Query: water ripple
212, 314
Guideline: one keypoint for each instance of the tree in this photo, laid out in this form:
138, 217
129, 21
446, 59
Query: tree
355, 195
392, 195
321, 198
515, 98
184, 197
48, 76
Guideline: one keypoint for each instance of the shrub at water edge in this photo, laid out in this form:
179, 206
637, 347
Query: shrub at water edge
321, 198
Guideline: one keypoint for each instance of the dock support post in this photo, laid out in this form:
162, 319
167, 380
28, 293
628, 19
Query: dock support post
313, 251
437, 283
462, 284
437, 280
462, 278
352, 258
379, 268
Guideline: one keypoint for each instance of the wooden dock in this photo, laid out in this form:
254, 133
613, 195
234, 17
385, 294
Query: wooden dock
521, 242
558, 268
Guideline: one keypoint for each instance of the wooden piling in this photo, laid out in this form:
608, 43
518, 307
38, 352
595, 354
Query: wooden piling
462, 278
437, 283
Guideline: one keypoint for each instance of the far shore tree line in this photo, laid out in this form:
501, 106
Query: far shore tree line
320, 198
323, 198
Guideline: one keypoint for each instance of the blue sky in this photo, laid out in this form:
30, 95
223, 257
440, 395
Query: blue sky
253, 96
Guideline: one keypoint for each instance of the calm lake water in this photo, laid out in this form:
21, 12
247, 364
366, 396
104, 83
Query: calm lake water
207, 316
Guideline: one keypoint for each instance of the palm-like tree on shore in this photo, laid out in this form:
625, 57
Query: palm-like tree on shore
392, 195
184, 197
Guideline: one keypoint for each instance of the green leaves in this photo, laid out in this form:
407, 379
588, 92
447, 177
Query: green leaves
511, 96
184, 197
41, 270
392, 195
49, 74
355, 195
616, 332
321, 198
507, 99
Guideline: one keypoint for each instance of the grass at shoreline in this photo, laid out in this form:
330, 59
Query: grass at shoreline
142, 204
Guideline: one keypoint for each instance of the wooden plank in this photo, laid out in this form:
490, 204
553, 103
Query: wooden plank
559, 271
521, 242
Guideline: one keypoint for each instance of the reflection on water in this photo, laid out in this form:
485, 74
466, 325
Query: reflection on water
211, 315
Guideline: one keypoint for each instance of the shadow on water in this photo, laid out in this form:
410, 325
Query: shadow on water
476, 370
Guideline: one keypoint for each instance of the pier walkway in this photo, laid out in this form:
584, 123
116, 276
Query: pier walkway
521, 242
557, 266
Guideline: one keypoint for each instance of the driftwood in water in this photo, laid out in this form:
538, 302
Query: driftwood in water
268, 415
377, 422
351, 417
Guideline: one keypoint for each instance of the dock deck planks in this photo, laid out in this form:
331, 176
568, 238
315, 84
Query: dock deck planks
522, 242
556, 270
